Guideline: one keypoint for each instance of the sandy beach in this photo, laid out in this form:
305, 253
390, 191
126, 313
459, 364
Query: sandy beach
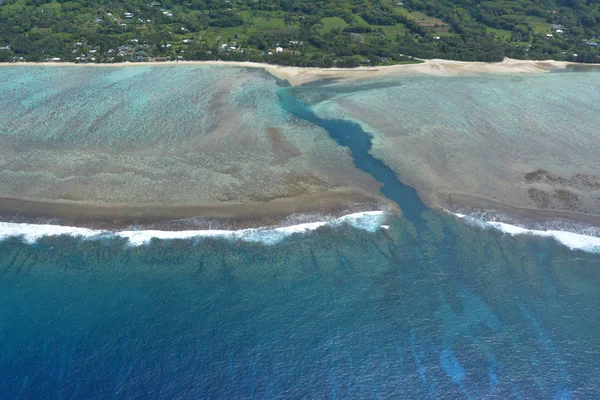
299, 75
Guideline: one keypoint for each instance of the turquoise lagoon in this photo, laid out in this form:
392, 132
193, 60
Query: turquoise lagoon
414, 306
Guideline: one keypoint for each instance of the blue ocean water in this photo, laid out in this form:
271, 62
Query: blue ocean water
429, 308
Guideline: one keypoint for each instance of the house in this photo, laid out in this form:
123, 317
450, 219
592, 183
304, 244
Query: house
187, 41
53, 59
549, 35
93, 51
128, 15
594, 44
179, 58
7, 47
279, 50
559, 31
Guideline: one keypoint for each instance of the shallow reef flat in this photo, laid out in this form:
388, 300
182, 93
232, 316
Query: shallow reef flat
526, 145
195, 139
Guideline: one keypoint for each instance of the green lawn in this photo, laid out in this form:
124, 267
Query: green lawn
332, 23
500, 33
539, 25
268, 23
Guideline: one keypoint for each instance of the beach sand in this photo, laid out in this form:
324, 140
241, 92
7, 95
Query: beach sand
301, 75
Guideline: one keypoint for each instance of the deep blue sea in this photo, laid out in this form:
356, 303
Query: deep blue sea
429, 308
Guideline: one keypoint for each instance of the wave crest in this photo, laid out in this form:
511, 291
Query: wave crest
584, 238
30, 233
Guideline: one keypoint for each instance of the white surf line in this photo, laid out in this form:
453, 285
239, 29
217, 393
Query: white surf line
366, 220
572, 240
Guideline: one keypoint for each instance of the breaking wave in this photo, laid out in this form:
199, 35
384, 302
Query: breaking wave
575, 238
368, 220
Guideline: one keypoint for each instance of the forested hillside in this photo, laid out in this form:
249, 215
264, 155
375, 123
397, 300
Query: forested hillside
344, 33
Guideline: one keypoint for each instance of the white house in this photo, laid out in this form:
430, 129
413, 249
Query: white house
279, 50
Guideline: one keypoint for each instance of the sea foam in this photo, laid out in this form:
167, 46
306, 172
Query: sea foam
30, 233
573, 240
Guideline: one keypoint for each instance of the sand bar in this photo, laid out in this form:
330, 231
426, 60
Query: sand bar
302, 75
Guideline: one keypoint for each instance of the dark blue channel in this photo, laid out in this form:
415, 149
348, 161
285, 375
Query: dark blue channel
350, 134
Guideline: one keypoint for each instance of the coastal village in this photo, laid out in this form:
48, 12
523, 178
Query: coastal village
174, 45
306, 34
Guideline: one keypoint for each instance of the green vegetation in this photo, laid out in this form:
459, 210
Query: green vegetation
344, 33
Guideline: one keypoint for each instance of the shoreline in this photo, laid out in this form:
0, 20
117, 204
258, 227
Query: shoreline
523, 216
371, 217
275, 213
231, 216
303, 75
370, 221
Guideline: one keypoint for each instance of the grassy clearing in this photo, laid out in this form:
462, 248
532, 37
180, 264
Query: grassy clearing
425, 20
332, 23
398, 29
447, 34
268, 23
500, 33
539, 25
